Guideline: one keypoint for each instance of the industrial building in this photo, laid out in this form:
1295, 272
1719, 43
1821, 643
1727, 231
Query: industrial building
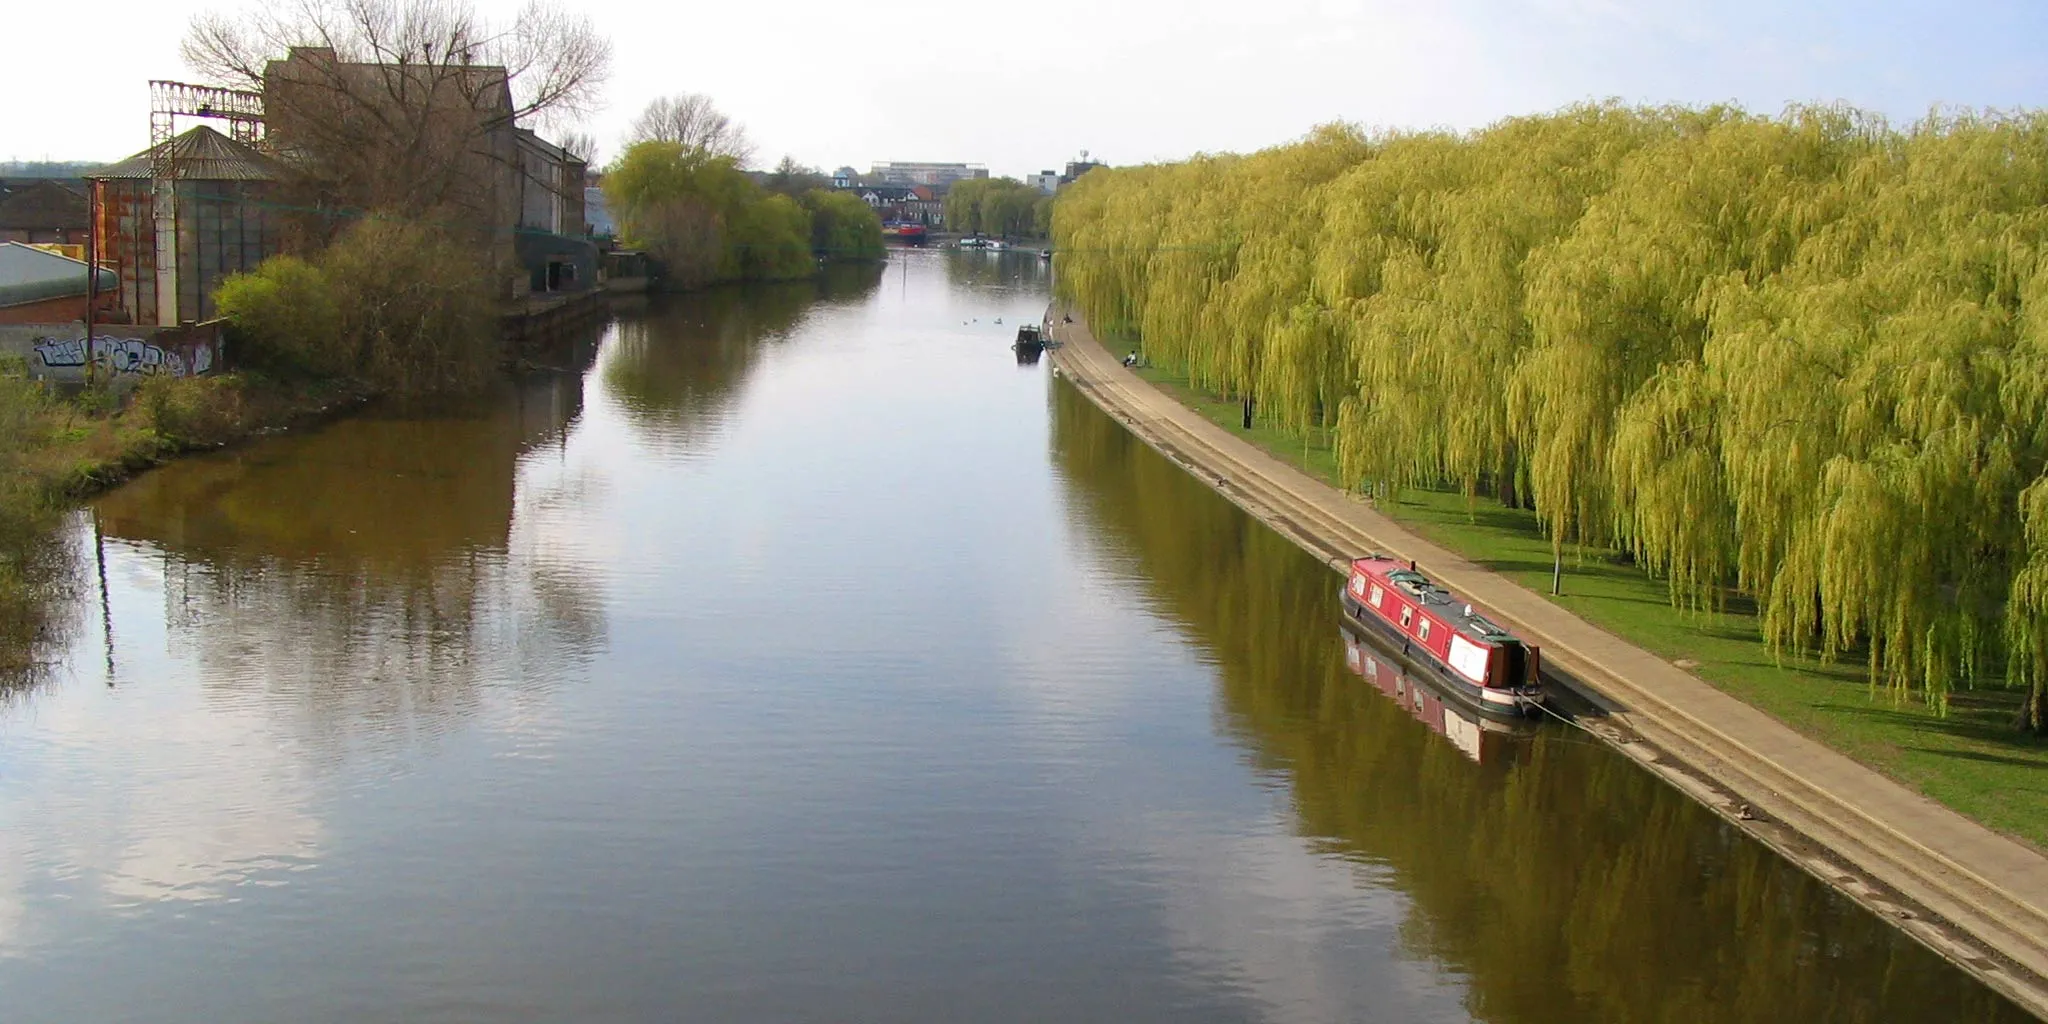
175, 220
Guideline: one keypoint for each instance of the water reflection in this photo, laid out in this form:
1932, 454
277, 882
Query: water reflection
678, 361
1477, 737
1561, 881
988, 269
381, 548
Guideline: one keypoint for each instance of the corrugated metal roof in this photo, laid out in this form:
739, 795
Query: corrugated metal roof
201, 154
28, 274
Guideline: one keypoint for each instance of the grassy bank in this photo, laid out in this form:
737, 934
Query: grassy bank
1971, 760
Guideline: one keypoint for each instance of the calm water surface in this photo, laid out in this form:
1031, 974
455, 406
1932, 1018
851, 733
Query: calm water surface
793, 655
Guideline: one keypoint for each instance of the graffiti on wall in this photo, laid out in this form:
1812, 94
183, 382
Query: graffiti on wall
125, 355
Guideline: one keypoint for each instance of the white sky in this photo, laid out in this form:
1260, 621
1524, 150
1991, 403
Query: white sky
1023, 86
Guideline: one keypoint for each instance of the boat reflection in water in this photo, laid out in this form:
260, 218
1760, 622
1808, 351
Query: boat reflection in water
1477, 737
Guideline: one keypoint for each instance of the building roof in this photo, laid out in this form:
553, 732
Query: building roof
886, 193
201, 154
42, 206
28, 274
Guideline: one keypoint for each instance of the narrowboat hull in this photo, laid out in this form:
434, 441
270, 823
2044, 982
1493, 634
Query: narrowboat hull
1492, 702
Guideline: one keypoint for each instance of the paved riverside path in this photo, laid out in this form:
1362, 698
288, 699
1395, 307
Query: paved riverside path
1974, 896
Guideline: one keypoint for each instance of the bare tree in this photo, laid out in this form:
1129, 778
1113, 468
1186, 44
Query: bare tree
582, 146
402, 105
690, 120
794, 179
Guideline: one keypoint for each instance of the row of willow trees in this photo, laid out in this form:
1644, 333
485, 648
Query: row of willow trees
1802, 359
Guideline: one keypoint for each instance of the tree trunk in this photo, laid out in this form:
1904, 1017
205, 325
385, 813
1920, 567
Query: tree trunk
1504, 489
1247, 412
2033, 714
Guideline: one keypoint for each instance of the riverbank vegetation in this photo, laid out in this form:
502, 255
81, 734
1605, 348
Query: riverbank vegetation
1001, 207
693, 209
391, 307
1793, 363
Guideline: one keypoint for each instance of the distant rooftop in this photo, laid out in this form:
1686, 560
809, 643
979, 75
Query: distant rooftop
28, 274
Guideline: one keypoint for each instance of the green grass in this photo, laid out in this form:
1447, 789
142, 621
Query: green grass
1971, 760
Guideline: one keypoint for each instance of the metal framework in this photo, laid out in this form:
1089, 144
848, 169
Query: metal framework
168, 101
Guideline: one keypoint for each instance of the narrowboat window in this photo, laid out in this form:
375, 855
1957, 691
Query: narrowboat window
1377, 593
1407, 616
1424, 631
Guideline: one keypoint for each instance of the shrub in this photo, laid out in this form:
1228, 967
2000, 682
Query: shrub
30, 563
193, 411
417, 306
392, 304
286, 320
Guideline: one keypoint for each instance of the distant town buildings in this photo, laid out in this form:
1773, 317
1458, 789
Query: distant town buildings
896, 204
939, 176
1050, 182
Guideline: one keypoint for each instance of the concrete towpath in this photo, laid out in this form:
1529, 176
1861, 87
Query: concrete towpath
1974, 896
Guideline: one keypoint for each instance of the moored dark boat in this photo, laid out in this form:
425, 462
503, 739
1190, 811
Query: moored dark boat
1473, 659
1030, 342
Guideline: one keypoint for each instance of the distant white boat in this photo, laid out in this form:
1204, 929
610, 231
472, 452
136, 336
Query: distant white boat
973, 243
996, 243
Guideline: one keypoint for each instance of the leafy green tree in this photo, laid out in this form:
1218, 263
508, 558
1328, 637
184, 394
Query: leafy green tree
707, 222
1004, 207
1798, 359
842, 226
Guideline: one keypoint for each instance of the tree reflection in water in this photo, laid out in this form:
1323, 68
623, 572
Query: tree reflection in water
679, 361
1564, 883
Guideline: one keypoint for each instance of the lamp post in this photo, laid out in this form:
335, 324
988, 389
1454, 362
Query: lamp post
92, 269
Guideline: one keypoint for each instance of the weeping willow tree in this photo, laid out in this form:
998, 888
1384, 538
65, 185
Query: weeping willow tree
1799, 359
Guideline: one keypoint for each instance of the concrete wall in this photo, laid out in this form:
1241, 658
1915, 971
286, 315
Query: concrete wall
122, 353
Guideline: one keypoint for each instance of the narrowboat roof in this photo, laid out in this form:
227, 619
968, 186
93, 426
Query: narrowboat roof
1436, 600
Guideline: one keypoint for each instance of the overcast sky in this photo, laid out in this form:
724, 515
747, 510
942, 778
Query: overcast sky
1026, 85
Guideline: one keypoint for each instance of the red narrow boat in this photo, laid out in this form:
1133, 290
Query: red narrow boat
1475, 660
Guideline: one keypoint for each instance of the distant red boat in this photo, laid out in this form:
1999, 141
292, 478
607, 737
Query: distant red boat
908, 234
1476, 660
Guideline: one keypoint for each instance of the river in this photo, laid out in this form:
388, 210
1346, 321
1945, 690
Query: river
792, 654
